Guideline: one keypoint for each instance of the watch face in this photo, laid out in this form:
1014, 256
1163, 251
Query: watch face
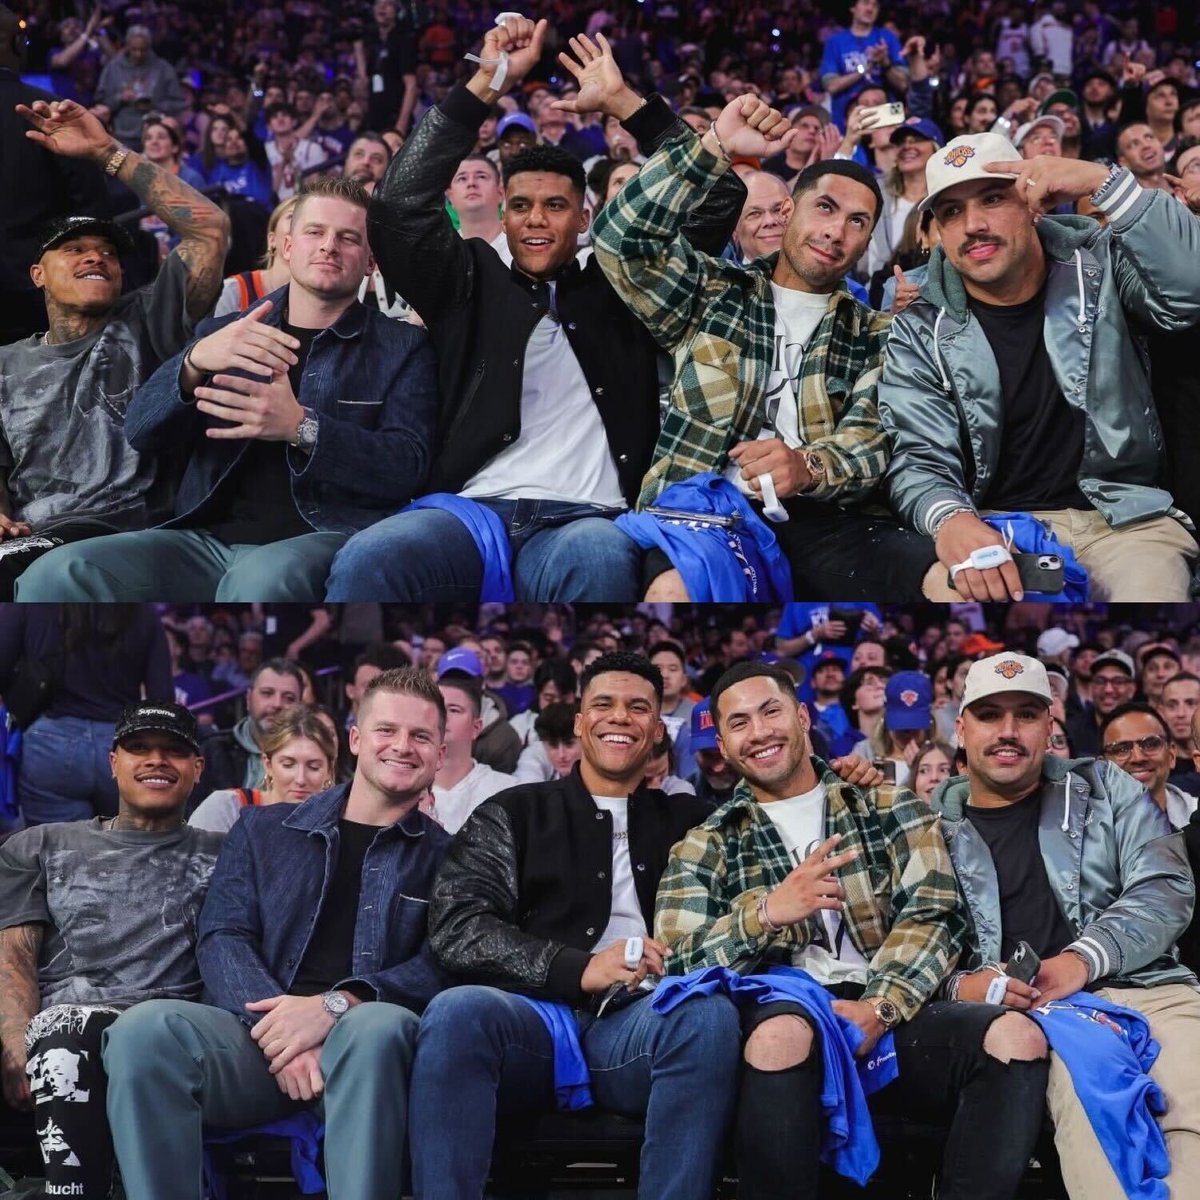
336, 1003
889, 1014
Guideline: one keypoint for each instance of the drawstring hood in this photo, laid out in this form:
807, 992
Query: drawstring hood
1066, 822
937, 352
1082, 297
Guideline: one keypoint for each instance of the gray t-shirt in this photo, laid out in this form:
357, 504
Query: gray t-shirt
62, 411
121, 908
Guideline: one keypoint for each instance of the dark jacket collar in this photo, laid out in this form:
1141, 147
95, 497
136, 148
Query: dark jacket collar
321, 813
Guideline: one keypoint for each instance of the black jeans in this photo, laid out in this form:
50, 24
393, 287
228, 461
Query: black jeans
993, 1110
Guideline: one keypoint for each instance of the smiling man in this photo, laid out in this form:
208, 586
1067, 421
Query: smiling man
96, 916
853, 886
315, 965
298, 423
545, 431
1138, 739
68, 471
1014, 384
776, 364
1072, 858
548, 893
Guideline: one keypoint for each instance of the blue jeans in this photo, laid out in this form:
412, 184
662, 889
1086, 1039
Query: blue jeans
172, 1065
559, 552
182, 565
65, 774
481, 1050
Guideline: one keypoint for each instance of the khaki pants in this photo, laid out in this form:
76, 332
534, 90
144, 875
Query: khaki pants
1147, 562
1173, 1011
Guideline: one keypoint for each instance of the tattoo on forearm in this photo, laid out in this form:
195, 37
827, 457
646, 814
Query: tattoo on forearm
203, 227
19, 998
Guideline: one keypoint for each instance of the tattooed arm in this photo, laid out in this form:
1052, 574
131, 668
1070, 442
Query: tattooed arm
20, 946
64, 127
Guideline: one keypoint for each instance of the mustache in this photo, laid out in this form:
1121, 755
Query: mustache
1002, 744
972, 242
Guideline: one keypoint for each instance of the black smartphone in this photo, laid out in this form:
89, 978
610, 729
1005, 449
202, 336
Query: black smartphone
851, 618
887, 767
1023, 963
1040, 572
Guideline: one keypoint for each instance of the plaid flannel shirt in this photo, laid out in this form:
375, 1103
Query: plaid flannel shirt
718, 320
902, 909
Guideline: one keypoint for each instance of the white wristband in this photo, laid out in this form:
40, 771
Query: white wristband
633, 952
983, 559
772, 509
997, 989
501, 63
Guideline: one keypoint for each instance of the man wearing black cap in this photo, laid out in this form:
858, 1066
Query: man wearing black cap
96, 916
68, 470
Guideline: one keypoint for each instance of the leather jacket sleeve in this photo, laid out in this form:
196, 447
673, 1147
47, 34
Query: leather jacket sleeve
474, 914
416, 247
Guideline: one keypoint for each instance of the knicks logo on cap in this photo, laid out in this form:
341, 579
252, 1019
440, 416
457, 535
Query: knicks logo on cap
706, 720
909, 698
959, 156
1009, 669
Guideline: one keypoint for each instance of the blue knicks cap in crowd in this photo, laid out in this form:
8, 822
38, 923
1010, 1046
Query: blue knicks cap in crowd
704, 732
909, 701
464, 661
921, 126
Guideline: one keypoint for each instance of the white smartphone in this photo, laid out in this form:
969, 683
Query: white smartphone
884, 114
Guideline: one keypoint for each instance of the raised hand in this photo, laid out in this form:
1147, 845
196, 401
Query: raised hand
1046, 181
906, 292
522, 40
750, 127
602, 87
64, 127
811, 886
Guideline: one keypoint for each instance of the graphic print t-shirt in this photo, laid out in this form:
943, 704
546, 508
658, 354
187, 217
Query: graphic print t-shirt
797, 315
120, 907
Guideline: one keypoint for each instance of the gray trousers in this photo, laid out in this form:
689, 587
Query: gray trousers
174, 1066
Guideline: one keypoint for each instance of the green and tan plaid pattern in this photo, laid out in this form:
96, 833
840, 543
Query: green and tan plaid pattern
718, 320
902, 907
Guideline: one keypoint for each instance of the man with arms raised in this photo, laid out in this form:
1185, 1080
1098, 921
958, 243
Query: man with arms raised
775, 363
315, 964
1071, 857
1014, 383
68, 470
96, 916
854, 886
546, 891
544, 432
303, 421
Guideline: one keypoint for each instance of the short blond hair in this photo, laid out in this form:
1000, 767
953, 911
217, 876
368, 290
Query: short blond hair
333, 187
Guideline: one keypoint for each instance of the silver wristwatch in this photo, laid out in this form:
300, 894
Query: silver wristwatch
335, 1004
306, 431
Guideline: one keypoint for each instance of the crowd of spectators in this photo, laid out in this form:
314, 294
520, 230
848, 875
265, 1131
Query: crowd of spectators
261, 724
851, 343
240, 668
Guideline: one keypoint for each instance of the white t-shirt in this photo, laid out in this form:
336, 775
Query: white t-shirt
625, 920
562, 452
452, 806
800, 822
797, 315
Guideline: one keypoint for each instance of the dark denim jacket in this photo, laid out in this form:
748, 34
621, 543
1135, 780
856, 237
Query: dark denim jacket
268, 887
371, 380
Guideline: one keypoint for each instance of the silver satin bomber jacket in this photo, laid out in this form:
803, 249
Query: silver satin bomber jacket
1119, 872
940, 399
